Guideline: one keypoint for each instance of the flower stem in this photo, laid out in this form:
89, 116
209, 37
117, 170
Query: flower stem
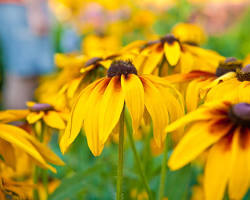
120, 158
163, 171
137, 159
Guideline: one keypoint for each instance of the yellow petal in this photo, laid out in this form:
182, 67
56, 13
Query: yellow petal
217, 170
73, 86
32, 117
239, 177
153, 59
111, 108
172, 52
186, 62
134, 98
8, 153
77, 115
93, 112
157, 109
14, 136
54, 120
13, 115
195, 141
198, 115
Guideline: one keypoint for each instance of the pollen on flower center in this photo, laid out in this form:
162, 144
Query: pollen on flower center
170, 39
41, 107
231, 64
117, 68
244, 73
240, 114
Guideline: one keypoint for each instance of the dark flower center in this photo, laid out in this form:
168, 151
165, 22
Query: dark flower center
169, 38
119, 67
240, 114
244, 73
231, 64
93, 61
41, 107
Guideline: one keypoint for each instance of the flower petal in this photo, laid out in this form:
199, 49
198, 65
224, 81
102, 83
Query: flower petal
134, 98
157, 108
54, 120
239, 176
217, 170
111, 108
13, 115
172, 52
8, 153
33, 117
195, 141
14, 136
77, 115
93, 112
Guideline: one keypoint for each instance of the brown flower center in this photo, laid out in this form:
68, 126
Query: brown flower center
231, 64
169, 38
244, 73
240, 114
41, 107
120, 67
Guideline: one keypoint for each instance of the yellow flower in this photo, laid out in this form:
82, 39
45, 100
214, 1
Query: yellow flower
194, 82
182, 56
222, 128
100, 104
234, 88
12, 137
14, 189
189, 33
35, 112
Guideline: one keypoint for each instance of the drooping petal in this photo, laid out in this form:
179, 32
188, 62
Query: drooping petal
172, 52
44, 151
92, 120
12, 135
13, 115
8, 153
33, 117
157, 109
217, 170
152, 60
186, 63
111, 107
134, 98
195, 141
239, 175
77, 115
73, 86
54, 120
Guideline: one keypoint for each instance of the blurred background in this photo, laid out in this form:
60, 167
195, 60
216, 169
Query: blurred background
32, 31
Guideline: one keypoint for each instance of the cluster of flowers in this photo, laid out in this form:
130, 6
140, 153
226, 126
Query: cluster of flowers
196, 95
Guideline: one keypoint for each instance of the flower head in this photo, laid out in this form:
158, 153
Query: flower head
100, 105
224, 130
35, 112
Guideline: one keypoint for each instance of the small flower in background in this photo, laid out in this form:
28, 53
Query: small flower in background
234, 88
35, 112
100, 104
223, 129
193, 84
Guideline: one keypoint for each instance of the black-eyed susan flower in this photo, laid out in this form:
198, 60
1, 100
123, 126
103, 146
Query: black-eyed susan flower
193, 83
35, 112
223, 129
235, 87
169, 54
100, 105
189, 33
12, 137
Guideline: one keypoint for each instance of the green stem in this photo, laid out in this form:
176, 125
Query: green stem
35, 180
163, 171
138, 161
120, 159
